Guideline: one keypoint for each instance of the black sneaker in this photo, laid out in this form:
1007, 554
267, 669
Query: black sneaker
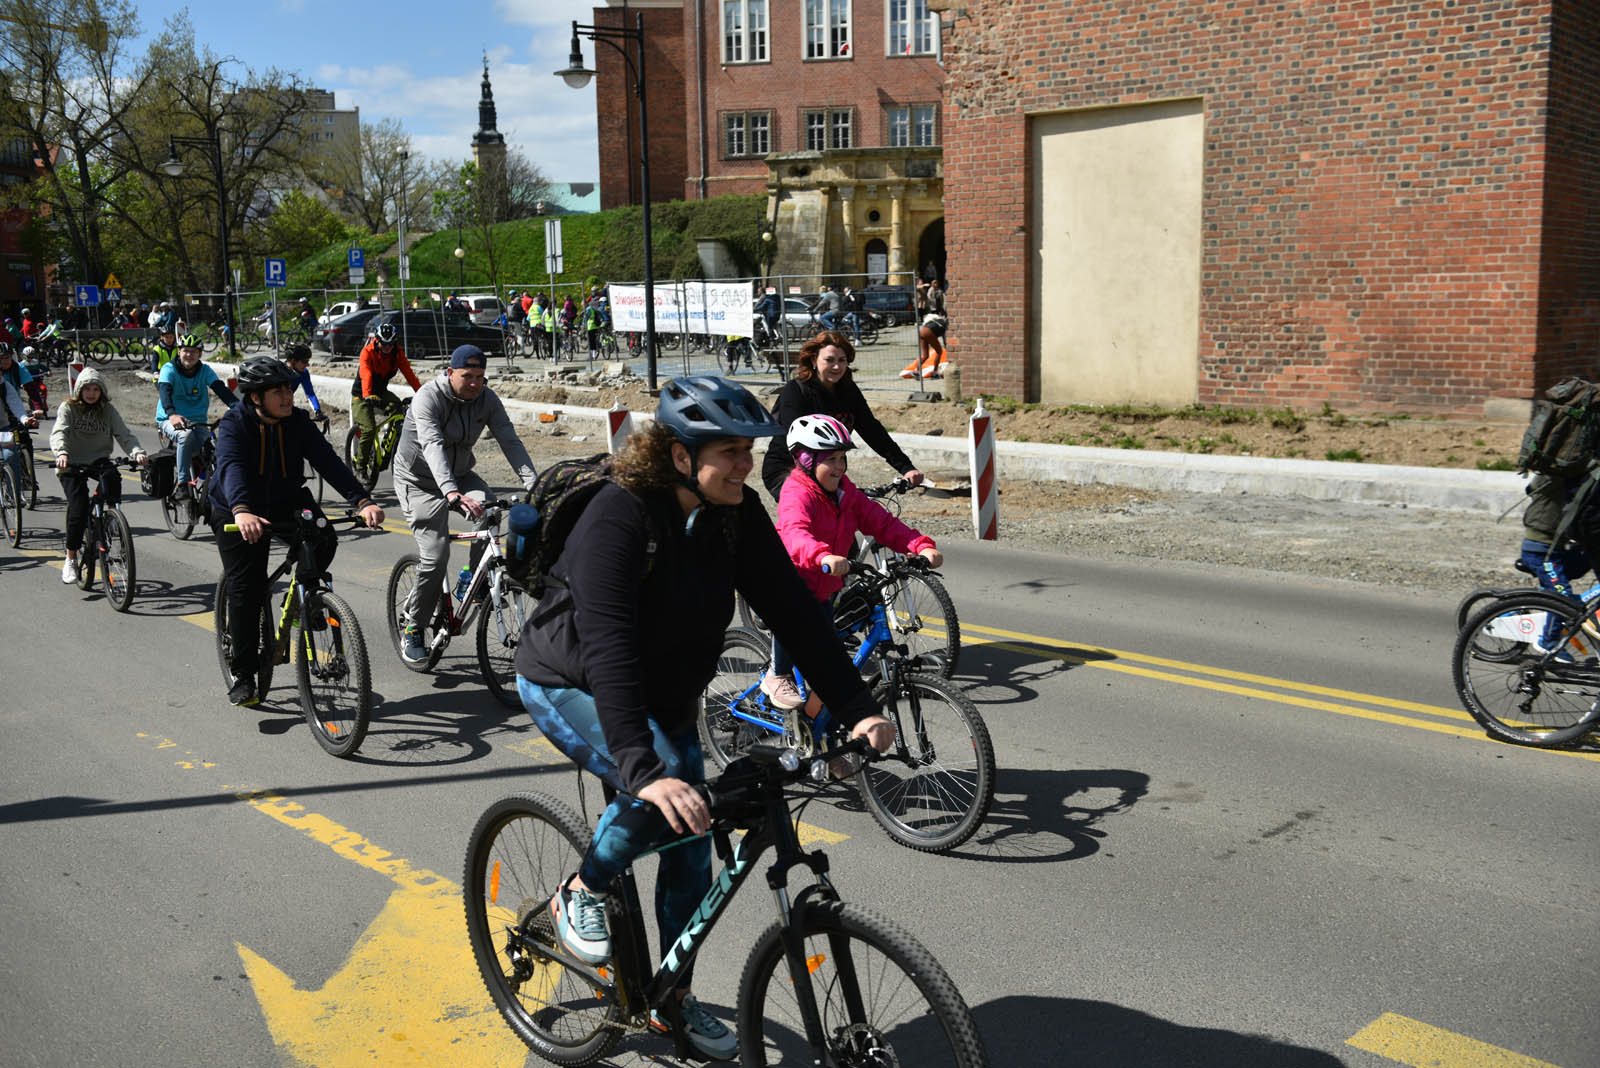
243, 692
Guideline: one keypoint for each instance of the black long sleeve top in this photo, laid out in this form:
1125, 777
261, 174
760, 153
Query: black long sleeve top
845, 403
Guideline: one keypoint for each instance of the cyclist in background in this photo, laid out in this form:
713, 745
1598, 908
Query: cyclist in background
298, 357
433, 474
370, 398
613, 668
15, 416
16, 373
163, 351
183, 404
263, 445
86, 425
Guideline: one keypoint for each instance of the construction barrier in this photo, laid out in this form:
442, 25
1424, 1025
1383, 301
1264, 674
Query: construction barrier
619, 423
985, 488
74, 369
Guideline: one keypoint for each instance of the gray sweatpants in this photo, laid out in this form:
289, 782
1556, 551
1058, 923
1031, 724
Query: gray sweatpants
429, 516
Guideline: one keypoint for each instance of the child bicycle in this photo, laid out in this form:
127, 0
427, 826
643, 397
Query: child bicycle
107, 540
330, 656
498, 604
933, 789
383, 449
184, 506
829, 983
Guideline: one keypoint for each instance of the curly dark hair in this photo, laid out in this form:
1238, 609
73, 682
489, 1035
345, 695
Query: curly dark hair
806, 369
645, 463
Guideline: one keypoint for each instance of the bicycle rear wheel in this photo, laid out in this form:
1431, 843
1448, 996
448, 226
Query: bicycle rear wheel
923, 618
88, 554
121, 570
402, 579
10, 505
724, 735
882, 997
219, 624
100, 351
181, 515
1527, 671
366, 472
28, 489
335, 678
521, 851
499, 630
933, 789
868, 331
748, 617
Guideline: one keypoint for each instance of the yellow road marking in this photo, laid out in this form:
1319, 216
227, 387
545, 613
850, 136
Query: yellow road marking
1423, 1046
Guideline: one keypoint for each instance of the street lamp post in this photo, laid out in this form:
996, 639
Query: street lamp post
461, 252
577, 76
173, 167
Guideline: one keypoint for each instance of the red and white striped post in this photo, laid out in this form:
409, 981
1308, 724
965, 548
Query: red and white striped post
985, 487
619, 422
74, 369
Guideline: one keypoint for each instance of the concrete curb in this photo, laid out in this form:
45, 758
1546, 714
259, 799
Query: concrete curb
1426, 487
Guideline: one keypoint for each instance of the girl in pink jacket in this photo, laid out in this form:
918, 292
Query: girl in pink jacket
819, 513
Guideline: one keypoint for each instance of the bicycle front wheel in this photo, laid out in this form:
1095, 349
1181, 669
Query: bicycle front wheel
724, 735
1528, 671
521, 851
335, 678
881, 996
933, 789
10, 505
402, 580
499, 630
100, 351
923, 618
121, 570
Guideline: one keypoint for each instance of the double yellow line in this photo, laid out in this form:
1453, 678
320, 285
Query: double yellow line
1242, 683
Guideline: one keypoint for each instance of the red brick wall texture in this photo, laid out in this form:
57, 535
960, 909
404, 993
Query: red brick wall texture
1401, 206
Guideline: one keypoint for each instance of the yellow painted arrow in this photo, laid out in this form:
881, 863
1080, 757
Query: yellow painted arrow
409, 994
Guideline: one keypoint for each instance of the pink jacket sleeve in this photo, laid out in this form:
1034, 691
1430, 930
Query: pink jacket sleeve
797, 519
868, 515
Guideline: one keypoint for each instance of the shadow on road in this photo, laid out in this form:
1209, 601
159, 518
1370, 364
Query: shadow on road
1035, 1030
1041, 816
1006, 673
157, 598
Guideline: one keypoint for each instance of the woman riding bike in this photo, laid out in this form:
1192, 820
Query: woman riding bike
87, 424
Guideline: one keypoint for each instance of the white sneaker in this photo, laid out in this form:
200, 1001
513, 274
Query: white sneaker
69, 570
781, 691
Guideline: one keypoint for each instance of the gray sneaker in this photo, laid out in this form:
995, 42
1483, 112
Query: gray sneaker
412, 647
580, 922
705, 1032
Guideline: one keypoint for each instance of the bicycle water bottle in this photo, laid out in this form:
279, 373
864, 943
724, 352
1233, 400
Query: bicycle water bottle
524, 523
463, 580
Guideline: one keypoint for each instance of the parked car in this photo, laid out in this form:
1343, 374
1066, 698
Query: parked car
429, 332
797, 313
343, 307
345, 335
896, 304
486, 308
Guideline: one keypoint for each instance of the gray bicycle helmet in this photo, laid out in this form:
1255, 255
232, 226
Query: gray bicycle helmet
700, 408
260, 373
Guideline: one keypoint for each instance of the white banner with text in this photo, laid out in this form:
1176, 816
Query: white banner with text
686, 308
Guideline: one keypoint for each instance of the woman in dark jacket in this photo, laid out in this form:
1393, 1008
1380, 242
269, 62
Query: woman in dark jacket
822, 384
614, 673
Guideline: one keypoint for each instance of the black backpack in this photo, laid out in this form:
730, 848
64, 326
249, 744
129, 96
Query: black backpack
1563, 435
560, 495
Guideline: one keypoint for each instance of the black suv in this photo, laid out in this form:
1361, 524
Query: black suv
896, 304
426, 332
345, 335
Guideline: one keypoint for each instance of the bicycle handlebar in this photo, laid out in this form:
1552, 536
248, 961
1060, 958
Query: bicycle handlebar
763, 770
82, 470
307, 520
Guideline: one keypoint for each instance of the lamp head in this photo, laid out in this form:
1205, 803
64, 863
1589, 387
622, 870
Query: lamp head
172, 167
576, 75
460, 252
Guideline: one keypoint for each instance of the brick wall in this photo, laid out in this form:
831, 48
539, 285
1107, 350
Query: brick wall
1388, 222
617, 109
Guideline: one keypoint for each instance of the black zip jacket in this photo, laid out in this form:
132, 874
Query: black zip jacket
642, 631
262, 465
845, 403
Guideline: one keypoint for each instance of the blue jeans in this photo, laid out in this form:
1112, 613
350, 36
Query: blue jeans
188, 441
628, 828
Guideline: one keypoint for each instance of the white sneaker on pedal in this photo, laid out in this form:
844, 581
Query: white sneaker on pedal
69, 570
781, 691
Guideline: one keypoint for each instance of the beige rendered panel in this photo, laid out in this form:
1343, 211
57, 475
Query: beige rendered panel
1116, 214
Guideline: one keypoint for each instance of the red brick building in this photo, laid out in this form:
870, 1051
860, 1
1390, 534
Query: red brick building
1380, 207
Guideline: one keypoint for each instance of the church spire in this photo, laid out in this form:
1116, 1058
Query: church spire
487, 134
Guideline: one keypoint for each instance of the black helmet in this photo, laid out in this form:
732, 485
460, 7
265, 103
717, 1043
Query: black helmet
260, 373
386, 333
699, 408
298, 351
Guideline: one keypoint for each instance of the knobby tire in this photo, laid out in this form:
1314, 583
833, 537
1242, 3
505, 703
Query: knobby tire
1517, 692
334, 675
402, 577
499, 631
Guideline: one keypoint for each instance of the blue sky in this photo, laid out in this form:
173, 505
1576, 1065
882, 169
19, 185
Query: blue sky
422, 64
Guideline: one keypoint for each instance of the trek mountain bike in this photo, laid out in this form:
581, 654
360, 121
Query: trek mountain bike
829, 983
932, 791
383, 449
321, 630
107, 540
498, 604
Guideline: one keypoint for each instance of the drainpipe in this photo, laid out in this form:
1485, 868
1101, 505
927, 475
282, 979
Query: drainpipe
700, 85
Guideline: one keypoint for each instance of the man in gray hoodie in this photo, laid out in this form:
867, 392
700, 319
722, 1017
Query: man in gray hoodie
433, 474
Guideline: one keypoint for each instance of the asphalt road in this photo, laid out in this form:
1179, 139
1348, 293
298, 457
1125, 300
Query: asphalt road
1240, 821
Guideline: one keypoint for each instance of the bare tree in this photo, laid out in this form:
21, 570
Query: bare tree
364, 180
526, 187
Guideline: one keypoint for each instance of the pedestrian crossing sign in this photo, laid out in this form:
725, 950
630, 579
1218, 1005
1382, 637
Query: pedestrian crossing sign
111, 282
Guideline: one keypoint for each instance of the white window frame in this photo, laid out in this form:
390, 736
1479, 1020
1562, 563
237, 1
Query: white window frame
827, 30
909, 22
750, 39
912, 125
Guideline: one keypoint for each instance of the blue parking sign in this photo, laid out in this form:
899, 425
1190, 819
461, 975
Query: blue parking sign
358, 259
277, 273
88, 296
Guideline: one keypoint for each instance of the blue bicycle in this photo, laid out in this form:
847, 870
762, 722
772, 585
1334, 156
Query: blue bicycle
933, 789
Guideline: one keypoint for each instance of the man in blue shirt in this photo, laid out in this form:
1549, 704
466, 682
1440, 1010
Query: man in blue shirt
183, 403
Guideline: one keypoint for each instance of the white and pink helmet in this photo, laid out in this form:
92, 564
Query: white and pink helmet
812, 435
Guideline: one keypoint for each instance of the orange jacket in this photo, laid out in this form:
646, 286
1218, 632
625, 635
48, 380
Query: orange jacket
377, 368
